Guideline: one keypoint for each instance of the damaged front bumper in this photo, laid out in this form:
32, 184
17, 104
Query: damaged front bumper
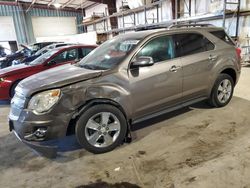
40, 148
39, 132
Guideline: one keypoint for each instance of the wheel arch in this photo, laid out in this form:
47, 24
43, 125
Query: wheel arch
15, 83
93, 102
90, 103
231, 72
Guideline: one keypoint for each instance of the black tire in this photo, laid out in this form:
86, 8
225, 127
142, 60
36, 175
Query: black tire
12, 89
214, 99
87, 115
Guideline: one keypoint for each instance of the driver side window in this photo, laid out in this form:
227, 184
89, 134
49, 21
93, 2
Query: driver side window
65, 56
160, 49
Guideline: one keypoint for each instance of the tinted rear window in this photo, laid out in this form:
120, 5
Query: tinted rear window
223, 36
191, 43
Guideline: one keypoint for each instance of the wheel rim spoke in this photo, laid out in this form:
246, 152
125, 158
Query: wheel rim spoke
220, 96
229, 88
225, 83
94, 138
93, 125
114, 126
220, 88
105, 118
108, 139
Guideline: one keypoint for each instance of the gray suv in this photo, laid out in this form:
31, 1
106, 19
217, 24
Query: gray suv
128, 79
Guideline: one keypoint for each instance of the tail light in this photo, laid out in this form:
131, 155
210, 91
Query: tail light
238, 52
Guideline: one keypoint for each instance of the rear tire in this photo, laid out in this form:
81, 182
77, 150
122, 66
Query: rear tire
222, 91
101, 128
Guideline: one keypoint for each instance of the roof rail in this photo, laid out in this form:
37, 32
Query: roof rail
189, 25
149, 28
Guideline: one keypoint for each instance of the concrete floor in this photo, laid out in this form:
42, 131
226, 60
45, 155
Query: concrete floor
194, 147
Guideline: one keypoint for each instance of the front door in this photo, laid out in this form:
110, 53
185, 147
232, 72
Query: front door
160, 85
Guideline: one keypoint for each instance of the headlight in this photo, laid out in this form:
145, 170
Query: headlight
44, 101
1, 79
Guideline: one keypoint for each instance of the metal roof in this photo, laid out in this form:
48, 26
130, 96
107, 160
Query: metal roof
75, 4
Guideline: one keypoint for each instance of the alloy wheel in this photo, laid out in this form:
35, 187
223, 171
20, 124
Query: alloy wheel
224, 91
102, 129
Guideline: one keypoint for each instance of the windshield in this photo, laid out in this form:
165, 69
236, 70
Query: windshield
109, 54
43, 50
43, 57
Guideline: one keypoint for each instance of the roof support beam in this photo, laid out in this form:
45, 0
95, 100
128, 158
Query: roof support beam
32, 3
67, 3
101, 1
51, 2
112, 9
81, 5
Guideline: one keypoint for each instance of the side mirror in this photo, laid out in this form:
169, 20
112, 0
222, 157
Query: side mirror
50, 63
143, 61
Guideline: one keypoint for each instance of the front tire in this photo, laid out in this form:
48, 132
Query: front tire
101, 128
222, 91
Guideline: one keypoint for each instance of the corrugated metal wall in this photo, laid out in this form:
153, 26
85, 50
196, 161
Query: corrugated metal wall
23, 23
15, 12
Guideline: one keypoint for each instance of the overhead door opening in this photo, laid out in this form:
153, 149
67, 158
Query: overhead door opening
53, 26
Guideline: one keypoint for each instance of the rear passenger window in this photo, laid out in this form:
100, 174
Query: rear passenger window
191, 43
223, 36
86, 51
160, 49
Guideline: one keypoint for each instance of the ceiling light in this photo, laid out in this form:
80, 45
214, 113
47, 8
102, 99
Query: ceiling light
57, 5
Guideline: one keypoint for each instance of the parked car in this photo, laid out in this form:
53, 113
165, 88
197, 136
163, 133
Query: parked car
11, 76
39, 53
39, 45
128, 79
22, 54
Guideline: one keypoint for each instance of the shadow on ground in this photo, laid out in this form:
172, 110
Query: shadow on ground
101, 184
16, 154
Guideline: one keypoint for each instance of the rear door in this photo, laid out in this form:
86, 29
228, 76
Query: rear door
158, 86
197, 59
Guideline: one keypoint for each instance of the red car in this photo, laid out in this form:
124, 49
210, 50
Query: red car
11, 76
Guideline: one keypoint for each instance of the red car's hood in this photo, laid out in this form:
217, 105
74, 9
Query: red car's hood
55, 78
15, 70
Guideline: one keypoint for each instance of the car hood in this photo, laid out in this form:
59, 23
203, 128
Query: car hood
55, 78
17, 69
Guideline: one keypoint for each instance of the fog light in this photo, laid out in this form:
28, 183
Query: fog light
40, 132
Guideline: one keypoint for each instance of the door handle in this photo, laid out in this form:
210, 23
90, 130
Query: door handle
174, 68
212, 57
